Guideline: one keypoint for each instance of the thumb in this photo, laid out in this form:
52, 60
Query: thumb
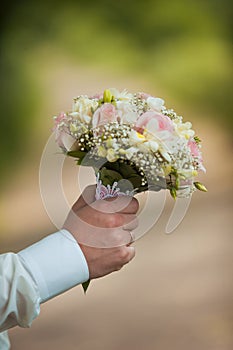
87, 197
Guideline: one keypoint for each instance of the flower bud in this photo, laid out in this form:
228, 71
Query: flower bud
107, 96
200, 186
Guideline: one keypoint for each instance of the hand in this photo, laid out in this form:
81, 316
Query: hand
102, 230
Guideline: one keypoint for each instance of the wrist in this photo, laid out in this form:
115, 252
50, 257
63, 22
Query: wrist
56, 263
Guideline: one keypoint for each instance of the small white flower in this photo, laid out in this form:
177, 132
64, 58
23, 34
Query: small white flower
155, 103
130, 152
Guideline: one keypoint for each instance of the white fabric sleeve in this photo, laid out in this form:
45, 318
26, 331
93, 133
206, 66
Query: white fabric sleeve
56, 263
36, 274
4, 341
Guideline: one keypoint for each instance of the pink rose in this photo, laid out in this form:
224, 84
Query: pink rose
193, 148
195, 151
105, 114
61, 117
154, 122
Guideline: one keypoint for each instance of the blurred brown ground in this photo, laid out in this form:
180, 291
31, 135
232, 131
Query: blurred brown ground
176, 294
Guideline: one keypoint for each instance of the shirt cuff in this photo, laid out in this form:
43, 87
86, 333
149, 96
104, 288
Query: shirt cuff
56, 263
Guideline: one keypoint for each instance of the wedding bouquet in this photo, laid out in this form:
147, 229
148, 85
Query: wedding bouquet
133, 142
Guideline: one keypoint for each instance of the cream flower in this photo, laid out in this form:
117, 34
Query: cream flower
165, 154
136, 137
143, 143
152, 145
120, 95
184, 129
84, 108
111, 155
102, 152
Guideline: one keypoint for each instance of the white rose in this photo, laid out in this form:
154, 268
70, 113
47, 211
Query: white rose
126, 112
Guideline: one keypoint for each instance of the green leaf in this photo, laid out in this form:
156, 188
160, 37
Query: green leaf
85, 285
173, 192
177, 184
76, 154
108, 177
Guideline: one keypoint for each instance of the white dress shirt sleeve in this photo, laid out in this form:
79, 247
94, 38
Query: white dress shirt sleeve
36, 274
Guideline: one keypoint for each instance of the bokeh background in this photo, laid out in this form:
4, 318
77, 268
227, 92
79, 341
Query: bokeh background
177, 294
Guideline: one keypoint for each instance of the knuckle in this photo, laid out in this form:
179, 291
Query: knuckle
111, 221
119, 238
119, 220
114, 220
123, 254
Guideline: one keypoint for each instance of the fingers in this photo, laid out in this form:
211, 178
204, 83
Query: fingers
130, 222
125, 255
131, 207
87, 197
131, 253
101, 261
92, 223
121, 204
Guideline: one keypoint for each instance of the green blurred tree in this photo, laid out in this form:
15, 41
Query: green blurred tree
185, 46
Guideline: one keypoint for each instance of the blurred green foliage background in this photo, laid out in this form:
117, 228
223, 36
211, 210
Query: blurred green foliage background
181, 47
